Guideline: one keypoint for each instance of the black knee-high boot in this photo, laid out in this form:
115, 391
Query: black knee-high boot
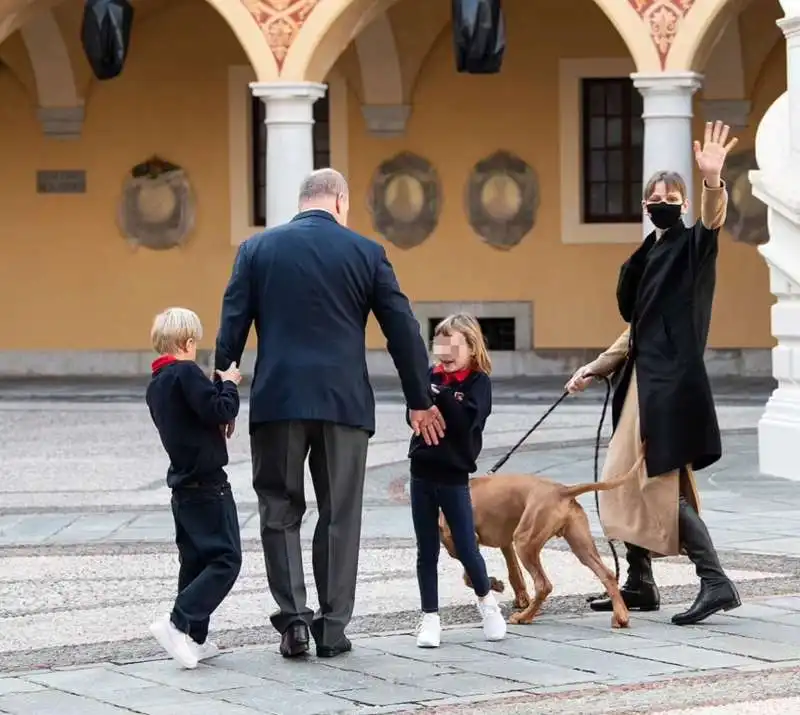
717, 591
639, 592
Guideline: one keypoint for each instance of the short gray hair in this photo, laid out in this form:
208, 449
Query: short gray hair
322, 183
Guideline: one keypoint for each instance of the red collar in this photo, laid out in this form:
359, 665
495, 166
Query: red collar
448, 377
162, 361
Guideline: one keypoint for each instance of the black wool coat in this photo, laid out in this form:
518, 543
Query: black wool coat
665, 291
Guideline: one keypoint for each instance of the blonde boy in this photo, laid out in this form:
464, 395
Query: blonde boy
191, 413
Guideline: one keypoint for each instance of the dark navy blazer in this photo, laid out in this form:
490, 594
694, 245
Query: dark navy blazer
309, 286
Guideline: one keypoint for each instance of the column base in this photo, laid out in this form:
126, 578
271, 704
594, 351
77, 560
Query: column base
779, 434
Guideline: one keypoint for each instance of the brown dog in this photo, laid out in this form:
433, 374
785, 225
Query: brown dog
519, 515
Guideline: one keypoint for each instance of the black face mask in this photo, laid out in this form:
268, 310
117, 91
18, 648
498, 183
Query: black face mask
664, 215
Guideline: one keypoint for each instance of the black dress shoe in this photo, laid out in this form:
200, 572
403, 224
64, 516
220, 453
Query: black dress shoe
639, 592
331, 651
717, 592
713, 597
294, 641
642, 597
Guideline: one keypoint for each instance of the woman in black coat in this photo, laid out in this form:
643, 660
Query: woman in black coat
663, 408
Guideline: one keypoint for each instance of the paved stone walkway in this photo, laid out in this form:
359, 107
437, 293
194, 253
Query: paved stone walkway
565, 665
86, 561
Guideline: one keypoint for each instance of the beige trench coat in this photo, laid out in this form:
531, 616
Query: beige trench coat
644, 511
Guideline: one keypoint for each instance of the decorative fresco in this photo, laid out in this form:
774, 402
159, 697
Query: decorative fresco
664, 18
747, 215
502, 199
280, 21
405, 200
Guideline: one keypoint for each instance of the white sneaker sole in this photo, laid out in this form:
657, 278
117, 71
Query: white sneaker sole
160, 631
201, 656
425, 643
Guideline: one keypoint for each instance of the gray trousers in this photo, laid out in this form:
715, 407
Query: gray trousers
337, 459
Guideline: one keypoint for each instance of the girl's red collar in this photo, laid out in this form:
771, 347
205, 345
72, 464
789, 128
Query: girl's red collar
448, 377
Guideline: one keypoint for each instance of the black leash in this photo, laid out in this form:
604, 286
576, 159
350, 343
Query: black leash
598, 437
511, 451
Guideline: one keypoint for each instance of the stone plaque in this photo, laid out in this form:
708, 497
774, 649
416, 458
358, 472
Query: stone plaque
502, 199
404, 200
63, 181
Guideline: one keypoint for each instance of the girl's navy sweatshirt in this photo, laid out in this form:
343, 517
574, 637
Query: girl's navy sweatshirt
465, 401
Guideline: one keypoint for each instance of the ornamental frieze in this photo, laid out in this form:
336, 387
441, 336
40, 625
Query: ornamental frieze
663, 18
280, 21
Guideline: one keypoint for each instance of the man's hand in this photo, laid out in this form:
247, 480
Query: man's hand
227, 430
232, 374
710, 157
428, 423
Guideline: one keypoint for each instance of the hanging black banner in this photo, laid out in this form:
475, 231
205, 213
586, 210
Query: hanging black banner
479, 36
105, 35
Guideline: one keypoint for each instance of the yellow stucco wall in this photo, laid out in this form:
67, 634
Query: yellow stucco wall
457, 120
69, 281
67, 278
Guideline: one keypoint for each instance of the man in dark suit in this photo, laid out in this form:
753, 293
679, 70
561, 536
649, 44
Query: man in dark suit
309, 286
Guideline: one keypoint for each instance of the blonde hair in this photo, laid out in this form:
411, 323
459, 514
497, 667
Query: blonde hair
173, 328
672, 180
470, 328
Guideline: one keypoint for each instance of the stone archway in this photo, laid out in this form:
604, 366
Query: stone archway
14, 14
331, 25
699, 32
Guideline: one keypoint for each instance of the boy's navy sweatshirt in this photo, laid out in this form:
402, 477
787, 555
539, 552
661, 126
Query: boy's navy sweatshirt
188, 409
465, 401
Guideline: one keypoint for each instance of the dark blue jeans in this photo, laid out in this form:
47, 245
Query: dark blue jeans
210, 554
427, 498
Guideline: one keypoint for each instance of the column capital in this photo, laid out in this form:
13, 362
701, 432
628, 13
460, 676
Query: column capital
288, 102
679, 83
667, 94
311, 91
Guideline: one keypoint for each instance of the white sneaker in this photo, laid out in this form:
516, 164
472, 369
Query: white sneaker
175, 642
494, 624
204, 651
429, 631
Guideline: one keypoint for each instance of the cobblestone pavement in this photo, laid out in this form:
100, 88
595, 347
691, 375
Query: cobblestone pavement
86, 561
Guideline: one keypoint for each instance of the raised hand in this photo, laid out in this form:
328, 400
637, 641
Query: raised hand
710, 157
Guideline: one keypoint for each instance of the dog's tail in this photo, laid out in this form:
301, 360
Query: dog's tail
603, 486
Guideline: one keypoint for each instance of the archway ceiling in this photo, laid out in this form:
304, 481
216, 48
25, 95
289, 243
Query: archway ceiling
281, 37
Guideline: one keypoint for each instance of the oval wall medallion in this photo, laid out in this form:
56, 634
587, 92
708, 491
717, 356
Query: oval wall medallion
157, 209
502, 199
405, 200
747, 216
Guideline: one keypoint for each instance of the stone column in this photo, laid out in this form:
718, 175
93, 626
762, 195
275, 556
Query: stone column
777, 184
290, 142
667, 116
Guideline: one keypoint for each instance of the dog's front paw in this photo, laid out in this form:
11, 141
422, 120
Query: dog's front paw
619, 623
520, 619
522, 601
497, 585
